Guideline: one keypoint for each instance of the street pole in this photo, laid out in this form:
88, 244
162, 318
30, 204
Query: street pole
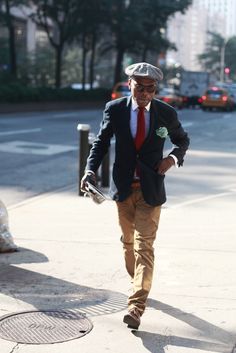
84, 150
222, 62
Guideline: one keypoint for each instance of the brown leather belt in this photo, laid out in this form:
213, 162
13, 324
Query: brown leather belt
136, 184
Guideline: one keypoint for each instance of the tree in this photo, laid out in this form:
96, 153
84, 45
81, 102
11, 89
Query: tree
219, 53
59, 18
155, 17
211, 58
93, 17
125, 22
230, 54
136, 26
8, 20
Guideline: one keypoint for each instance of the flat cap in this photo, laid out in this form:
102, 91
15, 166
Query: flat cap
144, 70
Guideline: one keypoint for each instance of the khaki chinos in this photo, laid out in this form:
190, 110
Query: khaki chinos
139, 223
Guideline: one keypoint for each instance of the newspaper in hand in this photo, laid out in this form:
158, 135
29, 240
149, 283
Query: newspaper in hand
94, 193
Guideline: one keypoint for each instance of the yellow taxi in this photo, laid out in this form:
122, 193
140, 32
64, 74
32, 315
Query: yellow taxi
217, 98
121, 89
171, 96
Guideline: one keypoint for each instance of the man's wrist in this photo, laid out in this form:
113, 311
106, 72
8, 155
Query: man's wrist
175, 160
89, 172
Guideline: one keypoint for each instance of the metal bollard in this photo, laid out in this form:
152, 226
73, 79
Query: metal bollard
84, 150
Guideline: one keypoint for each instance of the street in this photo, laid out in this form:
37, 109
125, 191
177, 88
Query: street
70, 254
39, 153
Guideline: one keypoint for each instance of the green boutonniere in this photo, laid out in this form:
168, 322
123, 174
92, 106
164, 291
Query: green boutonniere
162, 132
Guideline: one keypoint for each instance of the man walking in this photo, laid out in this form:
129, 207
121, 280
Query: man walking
140, 124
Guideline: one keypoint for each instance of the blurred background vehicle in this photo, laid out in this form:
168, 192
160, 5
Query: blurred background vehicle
217, 98
193, 84
232, 91
121, 89
171, 96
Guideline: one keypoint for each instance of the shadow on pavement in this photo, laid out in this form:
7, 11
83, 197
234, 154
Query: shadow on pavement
215, 338
45, 292
157, 343
26, 256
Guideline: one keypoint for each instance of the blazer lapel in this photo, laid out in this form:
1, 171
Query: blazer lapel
127, 117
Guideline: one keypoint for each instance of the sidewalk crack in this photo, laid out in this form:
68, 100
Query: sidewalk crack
234, 349
15, 348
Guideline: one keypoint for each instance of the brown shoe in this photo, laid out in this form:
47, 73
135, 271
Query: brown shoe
132, 319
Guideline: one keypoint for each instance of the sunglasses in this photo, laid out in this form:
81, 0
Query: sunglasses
141, 88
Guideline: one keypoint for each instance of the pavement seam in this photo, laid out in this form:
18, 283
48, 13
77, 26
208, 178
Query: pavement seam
15, 348
41, 196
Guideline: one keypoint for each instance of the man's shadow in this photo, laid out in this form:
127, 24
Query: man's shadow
45, 292
215, 339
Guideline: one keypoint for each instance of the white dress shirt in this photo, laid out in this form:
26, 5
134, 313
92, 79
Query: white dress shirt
134, 122
134, 118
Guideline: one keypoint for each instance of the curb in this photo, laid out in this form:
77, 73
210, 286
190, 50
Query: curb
42, 196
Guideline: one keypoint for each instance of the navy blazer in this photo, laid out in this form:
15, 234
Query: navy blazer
116, 121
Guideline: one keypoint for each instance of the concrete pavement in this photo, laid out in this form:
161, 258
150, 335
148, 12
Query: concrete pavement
71, 258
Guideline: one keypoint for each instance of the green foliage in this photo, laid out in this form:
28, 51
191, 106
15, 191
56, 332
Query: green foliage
137, 26
72, 71
211, 58
230, 54
64, 18
38, 67
124, 27
18, 93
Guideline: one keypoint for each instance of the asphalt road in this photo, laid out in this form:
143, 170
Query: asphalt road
39, 153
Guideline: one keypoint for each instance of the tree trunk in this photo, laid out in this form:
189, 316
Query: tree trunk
118, 66
59, 50
12, 48
84, 57
92, 60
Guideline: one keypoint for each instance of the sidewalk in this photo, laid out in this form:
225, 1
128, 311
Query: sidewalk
71, 258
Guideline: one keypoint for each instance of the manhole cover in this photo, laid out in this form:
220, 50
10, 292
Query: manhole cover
42, 327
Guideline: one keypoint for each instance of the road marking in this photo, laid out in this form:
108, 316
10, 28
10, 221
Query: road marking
211, 154
202, 199
226, 116
187, 124
16, 132
27, 147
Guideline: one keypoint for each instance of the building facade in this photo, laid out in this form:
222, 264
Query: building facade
189, 31
28, 34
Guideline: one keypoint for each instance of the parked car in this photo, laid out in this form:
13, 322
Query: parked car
232, 91
171, 96
217, 98
121, 89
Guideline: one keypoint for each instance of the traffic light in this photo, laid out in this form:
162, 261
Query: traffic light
227, 70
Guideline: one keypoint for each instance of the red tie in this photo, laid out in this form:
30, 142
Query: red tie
140, 134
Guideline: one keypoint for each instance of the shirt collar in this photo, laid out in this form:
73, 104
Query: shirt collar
135, 105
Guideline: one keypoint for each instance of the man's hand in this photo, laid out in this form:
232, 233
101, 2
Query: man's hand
164, 165
90, 177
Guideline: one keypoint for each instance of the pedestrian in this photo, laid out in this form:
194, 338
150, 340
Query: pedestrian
140, 124
6, 240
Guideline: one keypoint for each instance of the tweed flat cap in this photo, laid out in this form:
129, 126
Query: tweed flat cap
144, 70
